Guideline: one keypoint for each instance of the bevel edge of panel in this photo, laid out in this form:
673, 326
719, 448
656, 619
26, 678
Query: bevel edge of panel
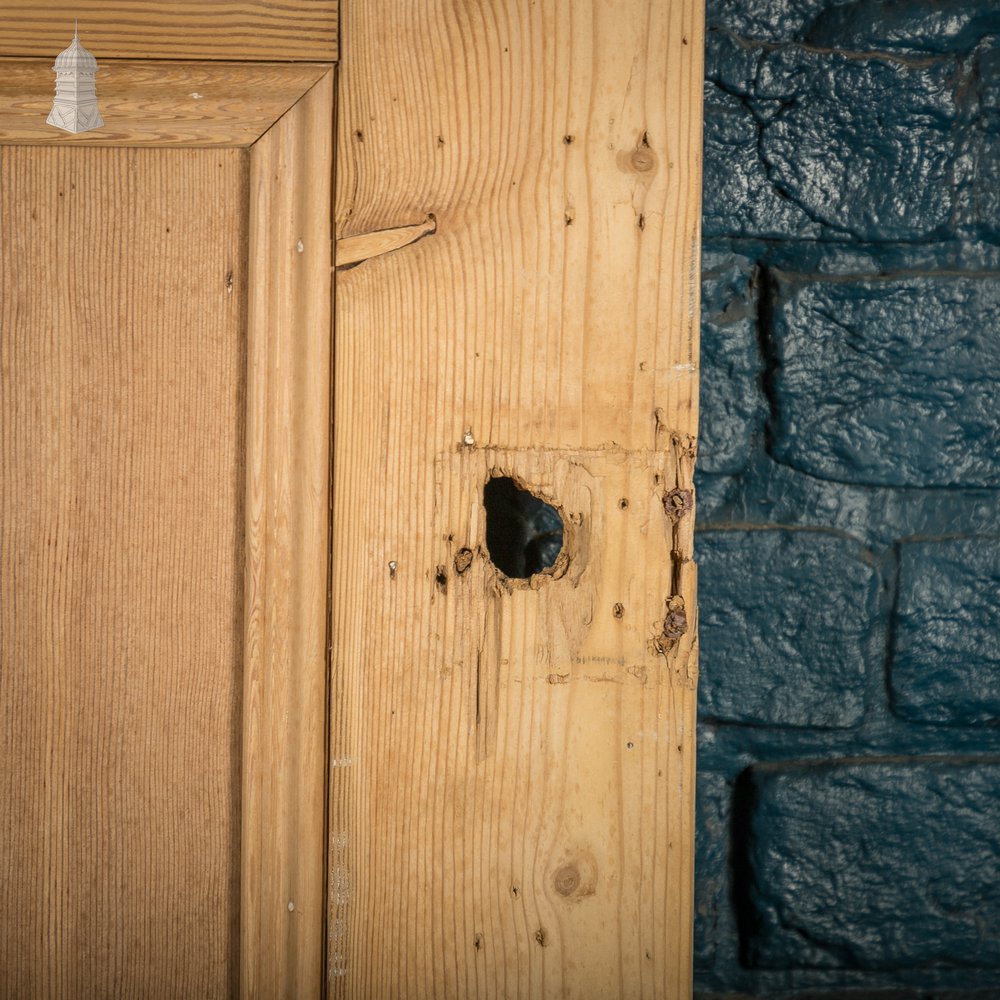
36, 90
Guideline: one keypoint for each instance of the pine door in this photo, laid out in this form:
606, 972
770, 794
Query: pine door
164, 445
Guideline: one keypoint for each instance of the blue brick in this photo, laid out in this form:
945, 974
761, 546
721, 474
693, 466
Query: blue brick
861, 25
711, 885
988, 74
914, 26
806, 144
977, 185
766, 20
879, 864
977, 195
732, 405
864, 146
946, 661
889, 382
786, 622
738, 198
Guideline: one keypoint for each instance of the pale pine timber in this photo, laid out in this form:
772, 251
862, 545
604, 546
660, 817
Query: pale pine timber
287, 530
162, 938
122, 396
512, 764
157, 103
266, 30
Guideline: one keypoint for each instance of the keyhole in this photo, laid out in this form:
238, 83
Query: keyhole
524, 534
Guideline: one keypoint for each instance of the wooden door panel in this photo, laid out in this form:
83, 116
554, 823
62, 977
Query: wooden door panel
164, 525
122, 332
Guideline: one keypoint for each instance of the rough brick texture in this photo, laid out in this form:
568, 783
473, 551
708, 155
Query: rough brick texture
946, 660
801, 143
731, 402
849, 502
864, 146
978, 165
861, 25
713, 796
890, 382
866, 863
913, 27
739, 198
786, 621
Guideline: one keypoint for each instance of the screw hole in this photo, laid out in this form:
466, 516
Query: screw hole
463, 560
677, 503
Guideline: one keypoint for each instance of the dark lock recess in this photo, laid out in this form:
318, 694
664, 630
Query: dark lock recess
524, 535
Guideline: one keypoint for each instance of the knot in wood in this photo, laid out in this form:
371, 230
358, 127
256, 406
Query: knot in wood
643, 160
567, 879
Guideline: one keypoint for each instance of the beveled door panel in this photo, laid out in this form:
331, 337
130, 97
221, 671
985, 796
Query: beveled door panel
164, 524
123, 343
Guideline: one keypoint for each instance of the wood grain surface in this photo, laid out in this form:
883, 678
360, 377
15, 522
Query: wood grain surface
287, 527
513, 762
269, 30
122, 403
156, 103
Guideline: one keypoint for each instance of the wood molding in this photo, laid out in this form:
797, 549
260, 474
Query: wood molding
158, 103
287, 531
180, 29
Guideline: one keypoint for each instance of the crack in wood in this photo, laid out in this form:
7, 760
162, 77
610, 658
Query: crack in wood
354, 250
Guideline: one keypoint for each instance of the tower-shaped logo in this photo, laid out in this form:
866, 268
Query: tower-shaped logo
75, 106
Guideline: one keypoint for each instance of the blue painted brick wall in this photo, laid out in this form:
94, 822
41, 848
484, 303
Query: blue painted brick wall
873, 838
849, 502
797, 661
945, 662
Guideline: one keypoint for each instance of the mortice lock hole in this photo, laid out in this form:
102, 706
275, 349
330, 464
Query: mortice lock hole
524, 535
